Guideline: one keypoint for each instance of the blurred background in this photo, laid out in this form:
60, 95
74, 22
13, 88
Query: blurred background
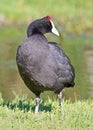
74, 21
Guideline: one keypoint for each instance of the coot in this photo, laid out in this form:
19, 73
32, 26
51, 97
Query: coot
43, 65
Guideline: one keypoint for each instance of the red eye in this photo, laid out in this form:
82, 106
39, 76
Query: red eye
48, 17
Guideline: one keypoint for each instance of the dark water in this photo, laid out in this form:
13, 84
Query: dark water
11, 85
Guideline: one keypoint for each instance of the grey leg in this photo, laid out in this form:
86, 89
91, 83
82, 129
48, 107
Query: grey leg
61, 102
37, 104
60, 98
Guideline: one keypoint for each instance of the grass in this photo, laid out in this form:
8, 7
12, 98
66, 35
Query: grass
75, 15
18, 115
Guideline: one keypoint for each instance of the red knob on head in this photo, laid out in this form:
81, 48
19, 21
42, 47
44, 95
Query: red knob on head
48, 17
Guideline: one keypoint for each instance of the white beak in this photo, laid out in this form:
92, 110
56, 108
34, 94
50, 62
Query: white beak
54, 30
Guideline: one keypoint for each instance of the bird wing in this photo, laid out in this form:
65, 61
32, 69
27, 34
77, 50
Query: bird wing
56, 70
65, 71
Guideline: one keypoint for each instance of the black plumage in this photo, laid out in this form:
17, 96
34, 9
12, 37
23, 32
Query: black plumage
43, 65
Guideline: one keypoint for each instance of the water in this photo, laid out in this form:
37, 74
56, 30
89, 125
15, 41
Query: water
89, 61
12, 85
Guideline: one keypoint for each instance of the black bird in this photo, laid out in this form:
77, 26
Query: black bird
43, 65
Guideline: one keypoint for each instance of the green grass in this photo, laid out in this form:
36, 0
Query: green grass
19, 115
75, 15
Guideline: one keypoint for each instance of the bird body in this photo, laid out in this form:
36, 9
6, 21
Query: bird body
43, 65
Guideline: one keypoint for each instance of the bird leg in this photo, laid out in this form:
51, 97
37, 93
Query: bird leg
37, 104
60, 98
61, 102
